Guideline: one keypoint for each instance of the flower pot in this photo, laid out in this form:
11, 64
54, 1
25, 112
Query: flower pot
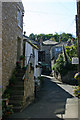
7, 102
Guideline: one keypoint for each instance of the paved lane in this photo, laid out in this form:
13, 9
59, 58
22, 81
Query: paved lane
51, 101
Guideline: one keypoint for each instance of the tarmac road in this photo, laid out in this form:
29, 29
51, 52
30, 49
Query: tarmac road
50, 103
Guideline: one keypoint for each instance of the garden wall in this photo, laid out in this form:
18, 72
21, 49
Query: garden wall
68, 78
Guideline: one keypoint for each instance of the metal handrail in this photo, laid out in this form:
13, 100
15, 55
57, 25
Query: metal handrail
27, 65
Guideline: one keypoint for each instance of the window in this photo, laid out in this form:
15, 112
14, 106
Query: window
19, 18
57, 49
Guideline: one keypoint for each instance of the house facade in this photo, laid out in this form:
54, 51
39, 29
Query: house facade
31, 48
33, 71
12, 38
48, 51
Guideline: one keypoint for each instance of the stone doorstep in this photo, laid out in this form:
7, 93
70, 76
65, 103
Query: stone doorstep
72, 100
71, 110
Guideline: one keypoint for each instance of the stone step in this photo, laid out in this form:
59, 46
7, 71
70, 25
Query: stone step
19, 82
19, 78
21, 70
17, 108
16, 103
16, 97
18, 92
18, 87
20, 75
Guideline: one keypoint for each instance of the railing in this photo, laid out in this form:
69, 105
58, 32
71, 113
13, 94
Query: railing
29, 61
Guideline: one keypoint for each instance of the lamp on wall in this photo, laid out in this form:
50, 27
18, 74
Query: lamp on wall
24, 32
23, 13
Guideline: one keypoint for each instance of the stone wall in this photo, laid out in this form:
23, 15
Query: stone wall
47, 54
0, 60
11, 33
0, 44
29, 86
68, 78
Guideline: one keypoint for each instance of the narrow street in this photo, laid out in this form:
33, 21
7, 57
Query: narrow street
51, 101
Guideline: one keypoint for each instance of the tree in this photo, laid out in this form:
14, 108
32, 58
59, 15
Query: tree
32, 36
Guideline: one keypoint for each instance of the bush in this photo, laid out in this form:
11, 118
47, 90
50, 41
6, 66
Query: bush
62, 66
77, 91
71, 51
59, 65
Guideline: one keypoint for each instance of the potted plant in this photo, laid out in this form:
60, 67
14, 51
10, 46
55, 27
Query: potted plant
6, 98
22, 57
8, 110
18, 64
77, 91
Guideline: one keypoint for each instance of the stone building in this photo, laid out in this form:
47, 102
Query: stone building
12, 36
78, 30
0, 44
47, 48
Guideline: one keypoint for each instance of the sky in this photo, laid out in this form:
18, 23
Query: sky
49, 16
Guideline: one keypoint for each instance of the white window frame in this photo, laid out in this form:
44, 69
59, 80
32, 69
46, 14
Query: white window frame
19, 18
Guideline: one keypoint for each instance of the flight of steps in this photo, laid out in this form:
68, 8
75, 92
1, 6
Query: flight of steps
17, 96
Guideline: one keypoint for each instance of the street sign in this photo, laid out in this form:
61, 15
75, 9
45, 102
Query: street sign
75, 60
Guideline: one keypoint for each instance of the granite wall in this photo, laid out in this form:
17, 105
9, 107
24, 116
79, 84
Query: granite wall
11, 37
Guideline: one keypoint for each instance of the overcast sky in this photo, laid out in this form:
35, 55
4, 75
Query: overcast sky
49, 16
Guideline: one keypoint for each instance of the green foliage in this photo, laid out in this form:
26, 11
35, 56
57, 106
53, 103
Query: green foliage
62, 66
22, 57
52, 38
32, 36
59, 65
77, 91
71, 51
64, 37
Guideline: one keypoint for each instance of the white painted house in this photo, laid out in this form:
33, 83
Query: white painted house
31, 49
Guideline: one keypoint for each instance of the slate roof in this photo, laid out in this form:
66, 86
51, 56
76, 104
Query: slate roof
33, 43
50, 43
53, 43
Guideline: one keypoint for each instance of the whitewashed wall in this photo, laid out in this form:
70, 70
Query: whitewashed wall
36, 63
28, 52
